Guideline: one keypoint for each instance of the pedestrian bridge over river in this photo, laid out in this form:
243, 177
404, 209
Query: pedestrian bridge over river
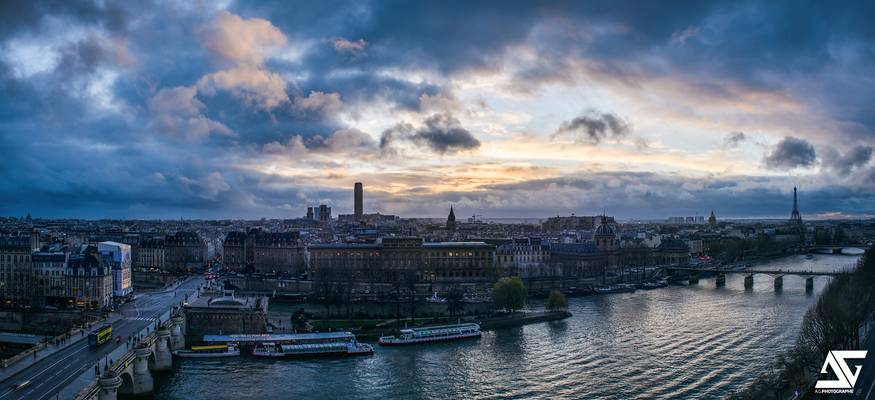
693, 273
843, 249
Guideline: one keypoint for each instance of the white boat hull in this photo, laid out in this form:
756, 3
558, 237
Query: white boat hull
404, 342
188, 354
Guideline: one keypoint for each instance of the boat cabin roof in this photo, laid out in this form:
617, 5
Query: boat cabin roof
213, 347
436, 327
285, 337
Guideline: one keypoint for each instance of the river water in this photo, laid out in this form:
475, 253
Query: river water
679, 342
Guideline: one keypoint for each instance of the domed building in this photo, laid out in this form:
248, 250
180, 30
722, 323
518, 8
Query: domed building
604, 236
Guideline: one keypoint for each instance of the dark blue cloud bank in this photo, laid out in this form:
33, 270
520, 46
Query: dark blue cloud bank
142, 109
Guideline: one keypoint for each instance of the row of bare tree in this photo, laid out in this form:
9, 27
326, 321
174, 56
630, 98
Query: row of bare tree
834, 323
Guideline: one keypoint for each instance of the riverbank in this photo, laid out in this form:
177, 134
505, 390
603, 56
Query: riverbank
372, 329
838, 321
519, 319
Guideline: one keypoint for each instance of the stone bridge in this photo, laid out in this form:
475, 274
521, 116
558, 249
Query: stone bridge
693, 273
131, 375
842, 249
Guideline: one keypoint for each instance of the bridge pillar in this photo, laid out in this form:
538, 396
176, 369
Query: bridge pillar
809, 284
177, 338
779, 283
721, 279
748, 282
694, 278
163, 358
109, 384
142, 378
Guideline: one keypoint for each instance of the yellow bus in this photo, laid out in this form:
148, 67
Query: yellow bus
100, 335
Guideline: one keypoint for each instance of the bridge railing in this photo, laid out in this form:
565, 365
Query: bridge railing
91, 391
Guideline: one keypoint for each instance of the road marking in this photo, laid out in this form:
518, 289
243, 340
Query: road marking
50, 366
64, 382
152, 319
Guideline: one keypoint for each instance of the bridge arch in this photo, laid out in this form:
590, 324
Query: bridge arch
127, 386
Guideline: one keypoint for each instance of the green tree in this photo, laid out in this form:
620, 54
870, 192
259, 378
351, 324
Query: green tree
455, 301
557, 301
509, 293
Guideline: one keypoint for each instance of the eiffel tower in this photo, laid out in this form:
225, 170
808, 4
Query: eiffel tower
795, 217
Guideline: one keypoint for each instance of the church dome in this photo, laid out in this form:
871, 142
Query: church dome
604, 229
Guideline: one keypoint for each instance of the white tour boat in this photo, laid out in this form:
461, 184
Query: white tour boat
433, 334
224, 350
307, 345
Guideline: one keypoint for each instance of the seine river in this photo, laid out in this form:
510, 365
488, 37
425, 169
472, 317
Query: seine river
678, 342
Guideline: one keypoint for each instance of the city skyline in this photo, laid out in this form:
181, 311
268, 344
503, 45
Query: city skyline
261, 110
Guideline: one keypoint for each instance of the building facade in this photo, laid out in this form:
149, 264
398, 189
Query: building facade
16, 269
151, 254
523, 257
225, 314
50, 275
282, 253
405, 263
184, 251
89, 281
118, 257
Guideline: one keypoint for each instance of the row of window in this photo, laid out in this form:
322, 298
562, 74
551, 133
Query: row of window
14, 258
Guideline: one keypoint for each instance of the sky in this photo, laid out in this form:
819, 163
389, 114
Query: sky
237, 109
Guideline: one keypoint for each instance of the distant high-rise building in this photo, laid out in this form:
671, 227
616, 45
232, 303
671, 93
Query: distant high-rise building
712, 220
322, 213
451, 220
359, 197
310, 213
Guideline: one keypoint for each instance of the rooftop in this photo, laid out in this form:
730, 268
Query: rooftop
267, 337
227, 300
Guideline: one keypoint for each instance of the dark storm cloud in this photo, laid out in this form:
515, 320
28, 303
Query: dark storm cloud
64, 156
442, 134
85, 56
733, 139
593, 127
856, 157
28, 15
448, 36
791, 153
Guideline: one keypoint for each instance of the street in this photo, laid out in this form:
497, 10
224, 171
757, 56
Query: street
51, 375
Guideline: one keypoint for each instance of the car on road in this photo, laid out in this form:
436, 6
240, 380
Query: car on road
21, 385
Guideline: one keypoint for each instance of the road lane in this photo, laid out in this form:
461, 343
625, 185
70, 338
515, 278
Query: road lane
52, 374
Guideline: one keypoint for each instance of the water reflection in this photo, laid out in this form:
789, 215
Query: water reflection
679, 342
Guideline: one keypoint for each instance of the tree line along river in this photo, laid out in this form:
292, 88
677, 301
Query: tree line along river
678, 342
